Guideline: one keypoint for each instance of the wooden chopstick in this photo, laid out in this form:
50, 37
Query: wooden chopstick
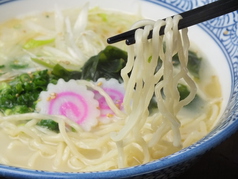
191, 17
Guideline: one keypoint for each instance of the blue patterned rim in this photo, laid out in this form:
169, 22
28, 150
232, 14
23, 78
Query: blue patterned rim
6, 1
228, 43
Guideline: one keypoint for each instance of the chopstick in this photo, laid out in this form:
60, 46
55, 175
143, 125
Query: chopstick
191, 17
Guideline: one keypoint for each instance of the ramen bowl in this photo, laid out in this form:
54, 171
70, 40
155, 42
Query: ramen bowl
217, 39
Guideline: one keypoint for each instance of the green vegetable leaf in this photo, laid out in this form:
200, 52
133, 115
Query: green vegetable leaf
103, 16
108, 64
61, 72
22, 92
21, 109
49, 124
32, 43
194, 63
152, 104
18, 65
183, 91
43, 63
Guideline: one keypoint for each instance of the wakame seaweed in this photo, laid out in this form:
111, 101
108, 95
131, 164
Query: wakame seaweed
60, 72
194, 63
107, 64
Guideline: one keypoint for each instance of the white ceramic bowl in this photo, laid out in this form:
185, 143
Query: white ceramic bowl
209, 36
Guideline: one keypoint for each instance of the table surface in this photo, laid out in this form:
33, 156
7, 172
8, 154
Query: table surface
218, 163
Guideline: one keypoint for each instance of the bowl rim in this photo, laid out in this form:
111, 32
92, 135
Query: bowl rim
190, 152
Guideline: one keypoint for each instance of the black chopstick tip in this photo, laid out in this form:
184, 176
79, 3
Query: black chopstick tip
114, 39
109, 41
130, 41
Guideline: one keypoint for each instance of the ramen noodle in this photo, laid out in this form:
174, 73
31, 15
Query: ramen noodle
66, 108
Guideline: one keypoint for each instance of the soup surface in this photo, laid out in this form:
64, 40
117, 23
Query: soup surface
55, 64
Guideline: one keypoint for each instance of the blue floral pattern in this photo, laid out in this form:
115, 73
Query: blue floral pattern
5, 1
